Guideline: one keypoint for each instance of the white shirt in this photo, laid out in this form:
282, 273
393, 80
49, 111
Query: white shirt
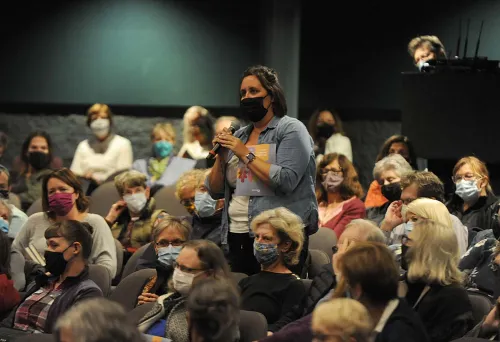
118, 157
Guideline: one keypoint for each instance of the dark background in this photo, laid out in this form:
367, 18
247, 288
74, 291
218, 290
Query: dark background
155, 58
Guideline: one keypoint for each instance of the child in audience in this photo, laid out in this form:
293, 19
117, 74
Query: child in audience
275, 290
338, 192
69, 246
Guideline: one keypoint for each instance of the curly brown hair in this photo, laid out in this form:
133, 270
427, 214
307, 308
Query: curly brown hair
349, 187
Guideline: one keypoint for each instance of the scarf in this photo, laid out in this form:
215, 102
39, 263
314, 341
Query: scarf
157, 167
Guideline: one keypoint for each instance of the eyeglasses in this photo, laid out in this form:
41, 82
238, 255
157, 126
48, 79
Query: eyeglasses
165, 243
187, 269
187, 202
468, 176
336, 172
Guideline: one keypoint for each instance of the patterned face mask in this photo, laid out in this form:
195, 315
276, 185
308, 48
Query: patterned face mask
265, 253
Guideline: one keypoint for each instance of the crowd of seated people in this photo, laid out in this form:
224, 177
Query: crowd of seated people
403, 263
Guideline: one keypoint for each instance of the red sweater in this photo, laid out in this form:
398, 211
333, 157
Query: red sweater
9, 297
352, 209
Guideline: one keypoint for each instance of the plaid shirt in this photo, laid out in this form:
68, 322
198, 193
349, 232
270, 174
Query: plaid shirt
32, 313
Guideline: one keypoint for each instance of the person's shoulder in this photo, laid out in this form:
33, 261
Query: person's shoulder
355, 203
83, 144
95, 219
16, 212
38, 217
288, 123
121, 140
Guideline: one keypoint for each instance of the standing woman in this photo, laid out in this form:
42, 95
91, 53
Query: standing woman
328, 135
290, 178
104, 153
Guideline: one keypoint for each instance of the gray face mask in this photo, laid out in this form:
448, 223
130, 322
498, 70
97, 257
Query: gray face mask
468, 190
331, 182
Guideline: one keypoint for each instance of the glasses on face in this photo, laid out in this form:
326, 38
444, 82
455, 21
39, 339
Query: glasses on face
166, 243
468, 176
187, 269
187, 202
336, 172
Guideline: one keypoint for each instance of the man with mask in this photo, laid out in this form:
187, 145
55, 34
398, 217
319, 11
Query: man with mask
132, 217
206, 213
418, 184
425, 48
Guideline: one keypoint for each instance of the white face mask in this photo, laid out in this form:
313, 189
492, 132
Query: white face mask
136, 202
183, 281
100, 127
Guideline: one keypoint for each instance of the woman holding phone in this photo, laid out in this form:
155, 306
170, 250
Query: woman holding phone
273, 155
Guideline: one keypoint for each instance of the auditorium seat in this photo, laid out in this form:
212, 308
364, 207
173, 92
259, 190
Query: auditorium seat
36, 207
15, 200
132, 262
119, 261
324, 239
253, 326
318, 259
238, 276
103, 198
129, 288
481, 305
100, 275
166, 199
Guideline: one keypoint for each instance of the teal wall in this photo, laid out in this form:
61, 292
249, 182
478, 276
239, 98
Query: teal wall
141, 52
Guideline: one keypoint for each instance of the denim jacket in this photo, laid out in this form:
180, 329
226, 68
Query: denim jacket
292, 177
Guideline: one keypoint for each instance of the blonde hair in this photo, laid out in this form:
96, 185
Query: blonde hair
188, 118
431, 42
182, 226
191, 178
129, 179
97, 108
164, 127
433, 256
288, 226
346, 316
431, 209
478, 167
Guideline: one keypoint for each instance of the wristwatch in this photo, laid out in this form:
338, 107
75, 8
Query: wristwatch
249, 158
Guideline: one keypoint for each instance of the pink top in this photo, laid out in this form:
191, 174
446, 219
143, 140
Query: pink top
338, 217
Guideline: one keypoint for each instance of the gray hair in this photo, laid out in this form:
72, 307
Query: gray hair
368, 229
393, 162
98, 320
3, 169
8, 206
172, 222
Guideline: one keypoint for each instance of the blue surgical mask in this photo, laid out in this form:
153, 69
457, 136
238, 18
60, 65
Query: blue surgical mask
468, 190
205, 205
4, 225
409, 226
162, 148
265, 253
167, 255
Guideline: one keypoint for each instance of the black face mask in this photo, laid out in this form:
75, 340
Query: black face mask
392, 191
253, 108
55, 262
4, 194
325, 130
404, 257
38, 160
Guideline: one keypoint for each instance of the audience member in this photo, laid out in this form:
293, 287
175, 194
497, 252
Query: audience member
132, 218
162, 168
396, 144
96, 320
104, 153
168, 238
481, 264
225, 122
15, 218
3, 145
489, 328
63, 199
69, 246
388, 172
197, 260
9, 297
325, 128
324, 283
414, 185
425, 48
35, 161
213, 312
338, 192
275, 290
198, 127
206, 213
341, 319
435, 291
474, 202
290, 177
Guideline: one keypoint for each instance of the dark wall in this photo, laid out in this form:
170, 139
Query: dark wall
140, 52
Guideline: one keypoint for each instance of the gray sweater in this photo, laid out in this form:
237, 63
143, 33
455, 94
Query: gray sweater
103, 244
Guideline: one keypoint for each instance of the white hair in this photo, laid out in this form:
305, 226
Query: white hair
393, 162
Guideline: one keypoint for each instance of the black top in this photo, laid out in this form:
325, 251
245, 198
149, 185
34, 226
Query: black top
273, 295
445, 310
403, 325
479, 265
